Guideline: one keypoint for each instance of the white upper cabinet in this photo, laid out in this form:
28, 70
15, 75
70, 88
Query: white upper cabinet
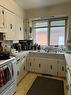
2, 20
1, 17
14, 26
19, 28
10, 25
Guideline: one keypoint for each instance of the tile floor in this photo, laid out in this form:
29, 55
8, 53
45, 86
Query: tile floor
27, 81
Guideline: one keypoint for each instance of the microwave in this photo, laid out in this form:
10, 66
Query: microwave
2, 36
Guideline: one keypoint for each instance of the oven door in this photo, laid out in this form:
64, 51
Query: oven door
6, 76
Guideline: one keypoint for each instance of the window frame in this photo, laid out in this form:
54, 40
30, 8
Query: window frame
49, 26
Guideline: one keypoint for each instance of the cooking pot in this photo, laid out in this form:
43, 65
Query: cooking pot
4, 55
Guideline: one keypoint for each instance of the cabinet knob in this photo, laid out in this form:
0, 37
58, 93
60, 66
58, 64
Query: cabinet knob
39, 65
24, 68
11, 26
57, 73
20, 28
2, 11
51, 67
17, 73
30, 63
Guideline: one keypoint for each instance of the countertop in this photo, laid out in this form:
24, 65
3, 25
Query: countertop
67, 56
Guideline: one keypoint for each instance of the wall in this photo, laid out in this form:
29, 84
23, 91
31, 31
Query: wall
12, 6
57, 10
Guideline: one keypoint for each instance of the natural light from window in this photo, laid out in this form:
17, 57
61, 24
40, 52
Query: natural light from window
50, 31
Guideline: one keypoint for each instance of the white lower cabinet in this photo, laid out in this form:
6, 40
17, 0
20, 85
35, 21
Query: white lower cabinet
31, 64
61, 67
18, 73
21, 69
51, 67
40, 65
47, 65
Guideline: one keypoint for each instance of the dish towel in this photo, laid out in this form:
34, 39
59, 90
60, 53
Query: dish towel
2, 79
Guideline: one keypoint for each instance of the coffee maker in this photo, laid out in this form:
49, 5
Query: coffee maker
26, 44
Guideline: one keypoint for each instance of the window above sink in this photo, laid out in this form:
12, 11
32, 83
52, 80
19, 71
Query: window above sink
50, 32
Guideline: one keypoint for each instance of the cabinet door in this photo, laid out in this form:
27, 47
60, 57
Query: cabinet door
18, 73
10, 25
1, 17
21, 32
32, 64
23, 68
37, 65
19, 28
40, 65
51, 66
27, 64
61, 68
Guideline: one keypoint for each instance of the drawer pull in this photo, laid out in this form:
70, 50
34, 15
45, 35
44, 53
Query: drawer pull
62, 68
39, 65
51, 67
24, 68
17, 73
30, 63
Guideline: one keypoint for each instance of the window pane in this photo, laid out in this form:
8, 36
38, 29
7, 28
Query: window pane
58, 23
41, 24
57, 35
41, 36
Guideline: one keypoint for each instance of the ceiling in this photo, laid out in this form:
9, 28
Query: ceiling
29, 4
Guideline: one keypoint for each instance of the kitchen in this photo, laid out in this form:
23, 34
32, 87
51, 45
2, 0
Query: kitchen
50, 58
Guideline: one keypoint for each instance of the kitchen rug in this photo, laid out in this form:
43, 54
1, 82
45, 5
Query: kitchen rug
46, 86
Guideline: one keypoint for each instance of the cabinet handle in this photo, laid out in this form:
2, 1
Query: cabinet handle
39, 65
62, 68
2, 11
30, 63
20, 28
24, 68
57, 73
51, 67
11, 26
17, 73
